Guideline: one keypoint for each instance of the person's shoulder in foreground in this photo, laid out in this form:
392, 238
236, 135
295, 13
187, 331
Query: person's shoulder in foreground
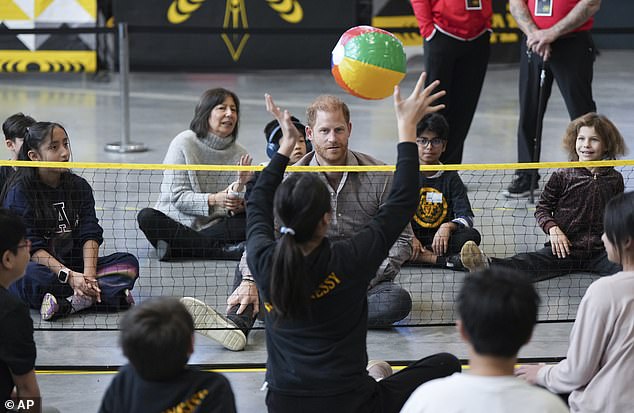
17, 347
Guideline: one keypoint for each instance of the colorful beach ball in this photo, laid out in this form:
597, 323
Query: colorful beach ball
367, 62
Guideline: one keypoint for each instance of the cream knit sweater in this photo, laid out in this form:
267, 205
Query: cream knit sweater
184, 194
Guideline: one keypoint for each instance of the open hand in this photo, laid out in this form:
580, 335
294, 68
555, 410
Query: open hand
411, 110
290, 134
529, 372
244, 176
245, 294
559, 242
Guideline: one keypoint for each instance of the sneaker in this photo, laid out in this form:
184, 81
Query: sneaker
80, 302
128, 298
163, 250
520, 187
472, 257
454, 262
52, 307
49, 307
379, 369
225, 331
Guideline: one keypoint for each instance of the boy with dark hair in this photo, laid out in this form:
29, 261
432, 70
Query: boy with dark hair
17, 348
443, 221
498, 310
14, 129
157, 337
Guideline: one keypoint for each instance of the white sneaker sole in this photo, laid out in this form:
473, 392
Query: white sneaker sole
472, 257
379, 369
205, 317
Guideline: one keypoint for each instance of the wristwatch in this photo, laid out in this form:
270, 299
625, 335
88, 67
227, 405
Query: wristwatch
62, 275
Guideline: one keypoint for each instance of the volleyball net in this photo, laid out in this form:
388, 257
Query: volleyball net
507, 227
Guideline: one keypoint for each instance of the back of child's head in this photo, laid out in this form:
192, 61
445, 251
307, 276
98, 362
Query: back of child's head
603, 127
37, 135
433, 122
618, 220
12, 229
156, 336
301, 201
498, 309
15, 126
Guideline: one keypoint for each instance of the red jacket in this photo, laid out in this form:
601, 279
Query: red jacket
452, 18
561, 8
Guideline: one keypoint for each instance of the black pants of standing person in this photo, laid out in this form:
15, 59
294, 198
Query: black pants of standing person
386, 396
184, 242
388, 303
571, 65
460, 66
543, 264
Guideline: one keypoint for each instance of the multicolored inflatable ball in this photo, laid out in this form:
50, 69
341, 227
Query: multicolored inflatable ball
367, 62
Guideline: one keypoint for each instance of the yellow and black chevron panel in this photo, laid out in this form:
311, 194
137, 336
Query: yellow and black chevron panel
408, 22
180, 10
289, 10
48, 61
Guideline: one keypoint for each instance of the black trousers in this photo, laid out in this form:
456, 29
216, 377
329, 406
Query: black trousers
386, 396
460, 66
185, 242
458, 238
542, 264
571, 65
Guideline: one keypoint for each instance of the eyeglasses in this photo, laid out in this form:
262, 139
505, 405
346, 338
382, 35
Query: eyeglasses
433, 141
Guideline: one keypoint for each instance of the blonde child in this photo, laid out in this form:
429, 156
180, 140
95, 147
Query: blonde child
570, 209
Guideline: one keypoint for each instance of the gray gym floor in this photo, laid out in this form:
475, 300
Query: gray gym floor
162, 106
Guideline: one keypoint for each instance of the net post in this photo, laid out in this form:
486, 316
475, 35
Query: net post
124, 146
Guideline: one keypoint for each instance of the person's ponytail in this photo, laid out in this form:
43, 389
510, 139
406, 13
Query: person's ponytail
300, 202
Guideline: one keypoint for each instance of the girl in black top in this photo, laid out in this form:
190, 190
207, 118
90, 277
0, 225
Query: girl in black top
315, 291
66, 273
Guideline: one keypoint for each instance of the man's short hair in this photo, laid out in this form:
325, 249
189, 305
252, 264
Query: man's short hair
12, 229
156, 336
326, 103
498, 309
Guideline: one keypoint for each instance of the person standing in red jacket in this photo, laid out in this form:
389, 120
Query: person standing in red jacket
456, 52
556, 38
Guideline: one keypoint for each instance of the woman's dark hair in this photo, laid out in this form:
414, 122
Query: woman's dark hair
156, 336
35, 191
15, 126
300, 203
210, 99
618, 221
434, 122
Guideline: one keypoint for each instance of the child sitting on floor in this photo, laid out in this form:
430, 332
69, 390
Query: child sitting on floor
66, 273
443, 221
570, 209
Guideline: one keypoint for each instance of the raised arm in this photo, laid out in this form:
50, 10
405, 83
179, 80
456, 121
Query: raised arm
371, 245
260, 225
